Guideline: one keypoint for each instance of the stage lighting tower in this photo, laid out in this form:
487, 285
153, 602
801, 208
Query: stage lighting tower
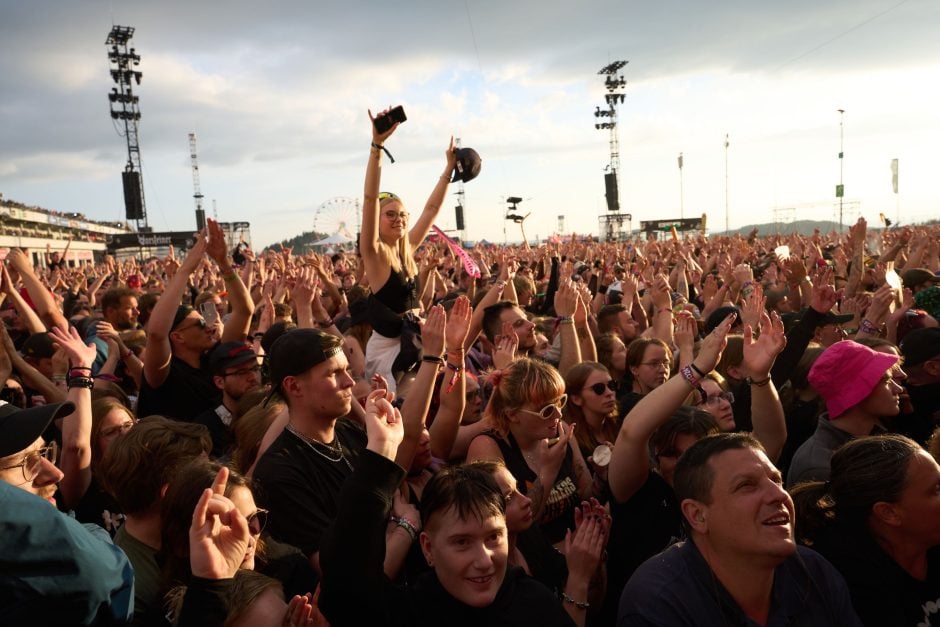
606, 120
126, 111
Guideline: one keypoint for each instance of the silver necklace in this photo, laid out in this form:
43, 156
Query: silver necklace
337, 450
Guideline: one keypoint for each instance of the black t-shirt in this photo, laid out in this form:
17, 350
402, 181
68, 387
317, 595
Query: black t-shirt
186, 393
223, 439
642, 526
558, 513
627, 402
300, 486
882, 592
100, 508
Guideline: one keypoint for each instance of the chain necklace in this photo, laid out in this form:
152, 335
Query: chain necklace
337, 450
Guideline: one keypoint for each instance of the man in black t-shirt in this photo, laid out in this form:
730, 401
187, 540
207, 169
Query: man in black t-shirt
235, 371
300, 475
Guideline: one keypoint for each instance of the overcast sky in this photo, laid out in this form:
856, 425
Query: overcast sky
277, 95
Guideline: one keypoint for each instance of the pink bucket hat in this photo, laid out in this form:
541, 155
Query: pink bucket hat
846, 373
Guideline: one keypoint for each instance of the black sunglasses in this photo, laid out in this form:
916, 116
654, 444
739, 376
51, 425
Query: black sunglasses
257, 522
600, 388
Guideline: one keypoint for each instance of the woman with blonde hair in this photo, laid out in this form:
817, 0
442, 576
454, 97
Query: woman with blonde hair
535, 444
386, 247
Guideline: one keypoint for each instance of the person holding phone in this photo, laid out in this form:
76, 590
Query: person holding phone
386, 244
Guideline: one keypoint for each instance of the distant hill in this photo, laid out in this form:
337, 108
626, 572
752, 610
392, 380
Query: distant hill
803, 227
299, 243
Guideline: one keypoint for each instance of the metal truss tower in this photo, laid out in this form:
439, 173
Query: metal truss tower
613, 83
197, 192
125, 109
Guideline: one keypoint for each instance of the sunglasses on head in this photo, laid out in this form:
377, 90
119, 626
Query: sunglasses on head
600, 388
387, 196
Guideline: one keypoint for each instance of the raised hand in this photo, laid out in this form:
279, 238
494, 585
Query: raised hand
218, 536
753, 307
507, 344
713, 344
825, 295
759, 355
377, 137
566, 299
458, 324
79, 354
383, 425
432, 332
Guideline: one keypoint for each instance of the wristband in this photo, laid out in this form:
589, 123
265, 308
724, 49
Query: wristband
453, 380
231, 276
689, 376
79, 382
501, 285
324, 324
564, 319
867, 326
433, 359
383, 149
696, 369
760, 383
581, 605
407, 525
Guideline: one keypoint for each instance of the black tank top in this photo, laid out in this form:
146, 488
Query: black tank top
558, 514
398, 295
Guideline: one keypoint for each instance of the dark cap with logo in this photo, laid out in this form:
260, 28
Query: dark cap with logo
296, 352
227, 355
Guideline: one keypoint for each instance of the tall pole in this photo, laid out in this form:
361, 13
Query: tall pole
840, 190
727, 227
681, 192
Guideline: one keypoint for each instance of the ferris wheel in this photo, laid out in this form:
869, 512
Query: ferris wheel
340, 215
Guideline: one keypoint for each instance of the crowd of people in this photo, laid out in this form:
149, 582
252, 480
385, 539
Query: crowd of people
663, 431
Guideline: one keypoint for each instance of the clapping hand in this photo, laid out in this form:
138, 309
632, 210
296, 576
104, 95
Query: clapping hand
383, 425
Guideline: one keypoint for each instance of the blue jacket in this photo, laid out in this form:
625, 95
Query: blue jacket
56, 571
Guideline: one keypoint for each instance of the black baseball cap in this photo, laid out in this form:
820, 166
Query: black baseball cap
227, 355
468, 165
20, 427
38, 346
920, 345
296, 352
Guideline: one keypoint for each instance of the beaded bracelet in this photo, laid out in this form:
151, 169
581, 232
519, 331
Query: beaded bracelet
581, 605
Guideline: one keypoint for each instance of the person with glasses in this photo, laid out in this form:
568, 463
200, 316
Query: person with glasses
649, 363
110, 420
53, 566
174, 384
235, 371
530, 437
386, 243
592, 406
262, 554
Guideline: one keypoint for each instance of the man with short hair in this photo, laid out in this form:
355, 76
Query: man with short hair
465, 542
741, 564
921, 351
300, 475
119, 309
617, 320
235, 371
54, 569
136, 472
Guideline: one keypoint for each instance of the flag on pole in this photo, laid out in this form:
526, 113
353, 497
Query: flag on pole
894, 175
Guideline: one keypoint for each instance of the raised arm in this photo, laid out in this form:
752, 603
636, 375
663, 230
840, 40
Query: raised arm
453, 390
76, 427
431, 208
236, 329
27, 315
42, 299
767, 417
376, 265
158, 352
629, 463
